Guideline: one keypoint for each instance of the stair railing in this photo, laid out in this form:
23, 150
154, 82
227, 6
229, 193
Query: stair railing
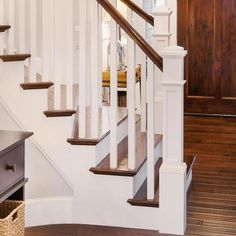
45, 29
139, 10
134, 39
58, 50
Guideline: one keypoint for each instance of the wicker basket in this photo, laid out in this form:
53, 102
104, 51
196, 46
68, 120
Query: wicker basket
12, 218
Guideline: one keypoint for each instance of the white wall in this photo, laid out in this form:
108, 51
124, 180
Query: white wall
44, 180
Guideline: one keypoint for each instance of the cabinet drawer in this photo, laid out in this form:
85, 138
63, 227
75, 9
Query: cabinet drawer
11, 167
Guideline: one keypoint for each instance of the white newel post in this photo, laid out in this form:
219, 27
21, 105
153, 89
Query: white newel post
172, 4
173, 169
161, 39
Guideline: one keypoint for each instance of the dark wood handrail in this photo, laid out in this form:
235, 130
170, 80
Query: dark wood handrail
133, 33
133, 6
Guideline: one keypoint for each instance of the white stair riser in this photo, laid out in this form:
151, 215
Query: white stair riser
103, 148
140, 177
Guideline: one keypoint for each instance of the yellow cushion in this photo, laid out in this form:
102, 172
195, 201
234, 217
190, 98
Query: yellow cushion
122, 77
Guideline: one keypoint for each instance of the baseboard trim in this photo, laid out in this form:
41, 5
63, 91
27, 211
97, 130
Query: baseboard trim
47, 211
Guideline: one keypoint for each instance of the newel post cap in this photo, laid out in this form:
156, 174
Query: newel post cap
173, 52
161, 11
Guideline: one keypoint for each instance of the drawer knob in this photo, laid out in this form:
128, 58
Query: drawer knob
11, 167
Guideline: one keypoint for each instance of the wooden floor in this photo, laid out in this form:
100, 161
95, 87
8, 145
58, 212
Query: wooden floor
212, 200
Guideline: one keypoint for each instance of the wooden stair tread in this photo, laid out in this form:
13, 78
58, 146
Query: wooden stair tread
36, 85
59, 113
104, 129
103, 167
3, 28
14, 57
140, 199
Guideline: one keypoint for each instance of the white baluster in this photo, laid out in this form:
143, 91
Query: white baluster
1, 23
22, 13
69, 53
113, 92
143, 93
150, 132
131, 82
1, 12
59, 68
11, 22
33, 41
95, 65
48, 12
82, 67
100, 54
141, 25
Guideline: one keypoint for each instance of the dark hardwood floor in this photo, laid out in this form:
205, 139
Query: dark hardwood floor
212, 199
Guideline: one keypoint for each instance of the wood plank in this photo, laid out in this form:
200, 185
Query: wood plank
36, 85
14, 57
87, 230
59, 113
3, 28
211, 202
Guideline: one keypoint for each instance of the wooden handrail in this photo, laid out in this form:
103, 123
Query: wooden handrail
133, 6
133, 33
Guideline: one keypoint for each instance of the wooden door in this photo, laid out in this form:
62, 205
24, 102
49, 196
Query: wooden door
207, 29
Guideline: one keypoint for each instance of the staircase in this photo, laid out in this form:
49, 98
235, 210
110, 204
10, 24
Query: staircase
126, 167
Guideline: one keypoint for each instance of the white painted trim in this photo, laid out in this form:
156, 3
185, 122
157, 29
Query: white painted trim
48, 211
161, 35
37, 145
168, 168
174, 82
162, 11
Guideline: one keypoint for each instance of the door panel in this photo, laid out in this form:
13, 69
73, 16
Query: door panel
201, 42
207, 29
229, 49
